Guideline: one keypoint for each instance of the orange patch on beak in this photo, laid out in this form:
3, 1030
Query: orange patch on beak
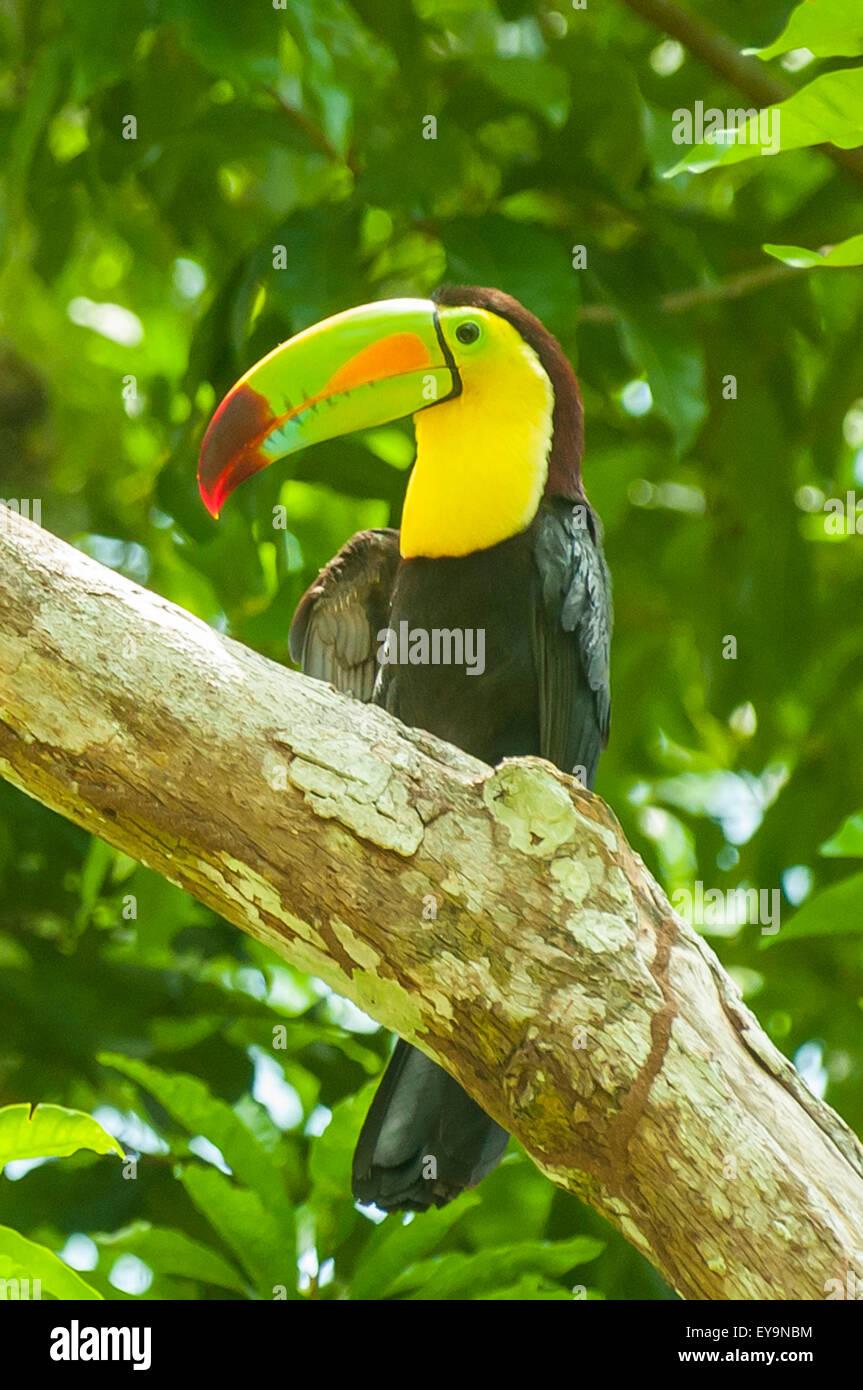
390, 356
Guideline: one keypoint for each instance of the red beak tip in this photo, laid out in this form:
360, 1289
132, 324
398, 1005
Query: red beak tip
209, 501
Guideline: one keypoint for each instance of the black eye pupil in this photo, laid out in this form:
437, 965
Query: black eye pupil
467, 332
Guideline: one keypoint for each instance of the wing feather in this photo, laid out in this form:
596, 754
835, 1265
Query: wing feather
572, 637
334, 632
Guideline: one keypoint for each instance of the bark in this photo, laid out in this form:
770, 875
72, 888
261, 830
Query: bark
495, 917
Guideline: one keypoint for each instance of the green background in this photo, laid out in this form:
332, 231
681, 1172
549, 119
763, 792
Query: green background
137, 283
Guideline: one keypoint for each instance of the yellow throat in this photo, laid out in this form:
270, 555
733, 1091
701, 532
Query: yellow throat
482, 458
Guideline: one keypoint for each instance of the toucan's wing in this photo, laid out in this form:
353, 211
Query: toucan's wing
334, 632
572, 636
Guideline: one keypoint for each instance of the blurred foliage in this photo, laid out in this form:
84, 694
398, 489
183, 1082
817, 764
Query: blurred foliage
137, 283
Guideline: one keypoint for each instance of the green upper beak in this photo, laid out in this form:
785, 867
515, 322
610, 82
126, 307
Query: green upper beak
354, 371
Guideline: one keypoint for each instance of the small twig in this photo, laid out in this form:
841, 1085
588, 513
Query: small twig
680, 300
318, 137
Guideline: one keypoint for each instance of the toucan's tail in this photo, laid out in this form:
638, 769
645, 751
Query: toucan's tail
424, 1140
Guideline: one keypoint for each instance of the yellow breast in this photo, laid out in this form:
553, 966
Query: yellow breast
482, 458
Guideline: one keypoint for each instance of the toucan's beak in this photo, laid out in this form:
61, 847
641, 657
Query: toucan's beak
354, 371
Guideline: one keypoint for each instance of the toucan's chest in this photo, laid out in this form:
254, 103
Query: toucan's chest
460, 662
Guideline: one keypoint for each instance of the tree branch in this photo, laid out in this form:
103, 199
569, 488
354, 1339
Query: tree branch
554, 982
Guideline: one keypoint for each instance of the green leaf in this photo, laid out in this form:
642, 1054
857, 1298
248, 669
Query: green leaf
836, 909
845, 253
35, 113
25, 1259
828, 28
207, 33
456, 1275
332, 1154
829, 109
848, 840
98, 861
103, 43
675, 372
172, 1252
50, 1131
540, 86
194, 1107
532, 1289
243, 1221
396, 1245
162, 909
494, 250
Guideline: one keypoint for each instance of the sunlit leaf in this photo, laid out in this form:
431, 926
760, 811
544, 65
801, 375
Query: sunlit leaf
22, 1259
848, 840
846, 253
832, 912
830, 109
828, 28
50, 1131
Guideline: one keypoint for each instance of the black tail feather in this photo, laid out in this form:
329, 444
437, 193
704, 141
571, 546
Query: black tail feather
424, 1140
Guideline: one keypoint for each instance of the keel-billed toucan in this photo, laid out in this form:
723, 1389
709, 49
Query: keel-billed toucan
496, 536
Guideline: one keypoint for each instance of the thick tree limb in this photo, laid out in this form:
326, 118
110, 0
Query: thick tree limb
555, 982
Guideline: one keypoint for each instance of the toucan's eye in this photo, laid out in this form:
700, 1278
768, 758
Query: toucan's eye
467, 332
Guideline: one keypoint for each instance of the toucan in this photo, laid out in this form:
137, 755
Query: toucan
497, 536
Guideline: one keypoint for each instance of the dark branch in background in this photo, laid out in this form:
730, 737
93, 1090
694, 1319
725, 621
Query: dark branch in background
716, 51
314, 134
